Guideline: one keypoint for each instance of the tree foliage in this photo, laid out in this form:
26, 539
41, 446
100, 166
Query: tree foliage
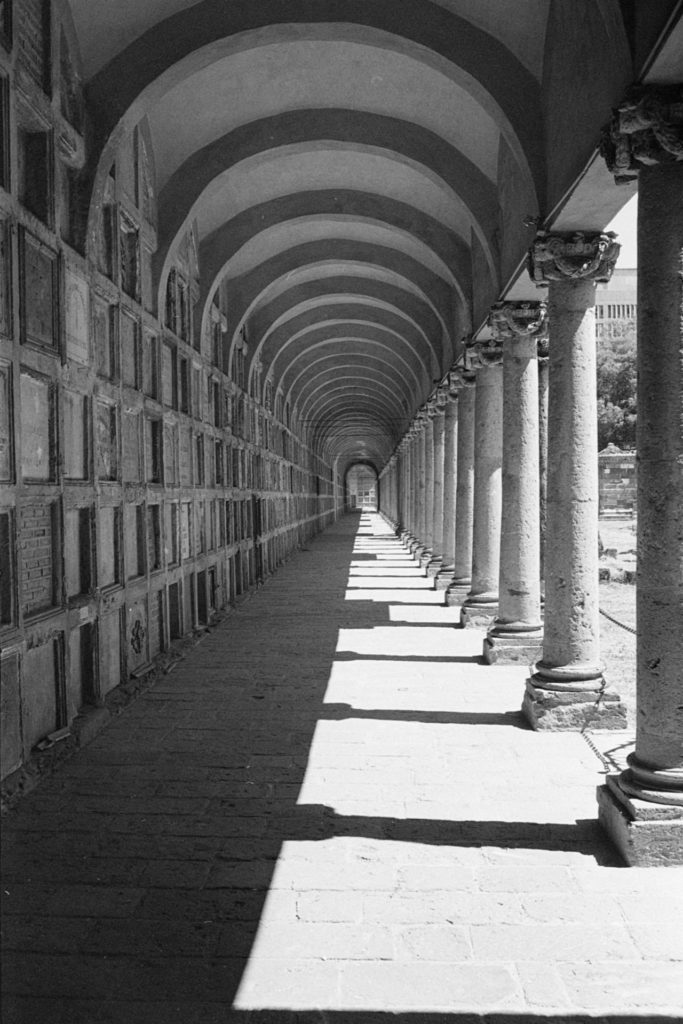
616, 381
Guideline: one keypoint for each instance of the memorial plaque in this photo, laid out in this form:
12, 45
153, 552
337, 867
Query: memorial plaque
37, 422
6, 426
107, 442
77, 317
130, 351
75, 436
5, 279
104, 338
39, 294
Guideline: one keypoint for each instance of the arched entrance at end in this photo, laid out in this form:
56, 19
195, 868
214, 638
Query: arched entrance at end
361, 487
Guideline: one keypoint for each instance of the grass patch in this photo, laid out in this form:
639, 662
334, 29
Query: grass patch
617, 646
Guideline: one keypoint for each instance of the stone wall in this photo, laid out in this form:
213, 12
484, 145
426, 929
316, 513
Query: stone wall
617, 479
143, 488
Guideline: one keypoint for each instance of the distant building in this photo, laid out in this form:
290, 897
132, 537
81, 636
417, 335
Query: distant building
616, 479
361, 487
616, 303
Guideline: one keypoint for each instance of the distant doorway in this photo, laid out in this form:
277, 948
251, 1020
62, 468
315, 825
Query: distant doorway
361, 488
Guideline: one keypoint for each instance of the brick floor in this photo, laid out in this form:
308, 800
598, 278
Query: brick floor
333, 812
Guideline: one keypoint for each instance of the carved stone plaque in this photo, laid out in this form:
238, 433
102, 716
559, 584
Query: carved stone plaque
37, 423
77, 316
6, 431
39, 292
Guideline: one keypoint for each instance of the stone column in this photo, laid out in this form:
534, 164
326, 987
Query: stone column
410, 488
543, 353
464, 492
438, 427
428, 523
642, 809
567, 688
481, 604
450, 455
515, 634
407, 489
418, 546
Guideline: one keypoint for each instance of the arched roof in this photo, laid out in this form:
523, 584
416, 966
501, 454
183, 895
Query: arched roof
360, 175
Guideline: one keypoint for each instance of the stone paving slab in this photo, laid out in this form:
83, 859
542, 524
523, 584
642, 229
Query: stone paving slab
332, 812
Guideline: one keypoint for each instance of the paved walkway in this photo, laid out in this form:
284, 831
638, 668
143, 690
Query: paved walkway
332, 807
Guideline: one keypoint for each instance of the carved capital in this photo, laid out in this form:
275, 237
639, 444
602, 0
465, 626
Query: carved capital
646, 128
460, 378
433, 407
511, 320
572, 256
543, 348
486, 353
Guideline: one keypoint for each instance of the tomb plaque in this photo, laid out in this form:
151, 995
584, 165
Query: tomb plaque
75, 436
77, 318
39, 280
36, 428
107, 454
5, 280
5, 423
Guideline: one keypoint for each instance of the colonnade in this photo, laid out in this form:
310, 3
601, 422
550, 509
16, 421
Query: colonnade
506, 511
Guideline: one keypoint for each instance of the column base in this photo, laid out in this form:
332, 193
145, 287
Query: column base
646, 834
424, 557
512, 648
444, 578
568, 710
434, 567
457, 592
477, 615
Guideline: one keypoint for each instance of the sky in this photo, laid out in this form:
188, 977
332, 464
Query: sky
625, 226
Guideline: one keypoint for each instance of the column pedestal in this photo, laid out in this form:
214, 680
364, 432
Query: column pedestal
646, 834
514, 648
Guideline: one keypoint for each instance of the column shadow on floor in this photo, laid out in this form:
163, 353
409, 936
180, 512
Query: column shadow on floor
137, 876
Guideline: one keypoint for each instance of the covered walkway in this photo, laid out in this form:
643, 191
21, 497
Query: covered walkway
332, 811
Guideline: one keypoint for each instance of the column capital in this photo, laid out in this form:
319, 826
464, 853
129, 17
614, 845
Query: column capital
512, 320
488, 352
459, 378
646, 128
572, 256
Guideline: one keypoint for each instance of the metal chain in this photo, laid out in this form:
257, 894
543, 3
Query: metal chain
629, 629
592, 710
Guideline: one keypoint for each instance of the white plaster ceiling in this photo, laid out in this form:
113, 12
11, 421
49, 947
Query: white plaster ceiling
300, 230
300, 74
518, 25
290, 170
339, 268
105, 27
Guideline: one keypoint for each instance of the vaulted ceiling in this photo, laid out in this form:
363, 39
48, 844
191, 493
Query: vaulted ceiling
364, 175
